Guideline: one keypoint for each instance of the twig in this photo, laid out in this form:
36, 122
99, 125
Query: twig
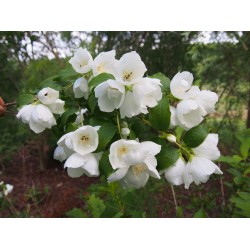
173, 192
222, 192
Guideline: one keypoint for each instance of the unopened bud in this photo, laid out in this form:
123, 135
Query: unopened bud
171, 138
125, 131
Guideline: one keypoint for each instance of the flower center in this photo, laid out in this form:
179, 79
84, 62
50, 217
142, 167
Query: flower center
127, 76
139, 168
100, 68
121, 151
85, 138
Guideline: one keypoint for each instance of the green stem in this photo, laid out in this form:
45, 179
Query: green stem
118, 124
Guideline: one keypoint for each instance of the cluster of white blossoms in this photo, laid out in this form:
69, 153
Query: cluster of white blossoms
200, 165
5, 189
134, 162
129, 92
78, 147
39, 114
194, 103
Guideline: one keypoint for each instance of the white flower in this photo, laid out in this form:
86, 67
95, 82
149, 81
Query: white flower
180, 85
189, 114
80, 116
81, 88
174, 174
57, 107
48, 95
130, 68
84, 140
105, 62
110, 95
81, 61
206, 100
78, 165
8, 189
41, 118
198, 170
25, 113
59, 154
135, 162
208, 148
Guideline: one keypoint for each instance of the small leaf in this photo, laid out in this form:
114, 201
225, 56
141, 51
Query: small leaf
68, 73
68, 116
99, 79
165, 81
201, 213
76, 213
92, 101
167, 157
106, 133
195, 136
96, 206
159, 116
179, 212
25, 99
104, 165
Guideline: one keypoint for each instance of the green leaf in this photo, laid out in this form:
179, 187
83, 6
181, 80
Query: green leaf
96, 206
167, 157
71, 127
68, 116
51, 84
25, 99
179, 212
201, 213
104, 165
99, 79
118, 215
106, 133
195, 136
165, 81
76, 213
92, 101
159, 116
68, 73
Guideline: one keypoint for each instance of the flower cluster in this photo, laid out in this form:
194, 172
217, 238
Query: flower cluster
112, 102
194, 103
199, 167
5, 189
39, 114
129, 92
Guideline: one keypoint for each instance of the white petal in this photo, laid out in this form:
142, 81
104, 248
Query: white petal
208, 149
75, 172
48, 95
188, 114
118, 175
81, 88
36, 127
207, 100
173, 119
59, 154
201, 168
151, 147
151, 163
130, 106
180, 84
135, 181
90, 167
75, 161
57, 107
174, 174
42, 115
25, 113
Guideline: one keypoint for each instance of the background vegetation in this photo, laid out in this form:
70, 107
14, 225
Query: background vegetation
219, 61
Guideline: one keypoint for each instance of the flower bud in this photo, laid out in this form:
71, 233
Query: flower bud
125, 131
171, 138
